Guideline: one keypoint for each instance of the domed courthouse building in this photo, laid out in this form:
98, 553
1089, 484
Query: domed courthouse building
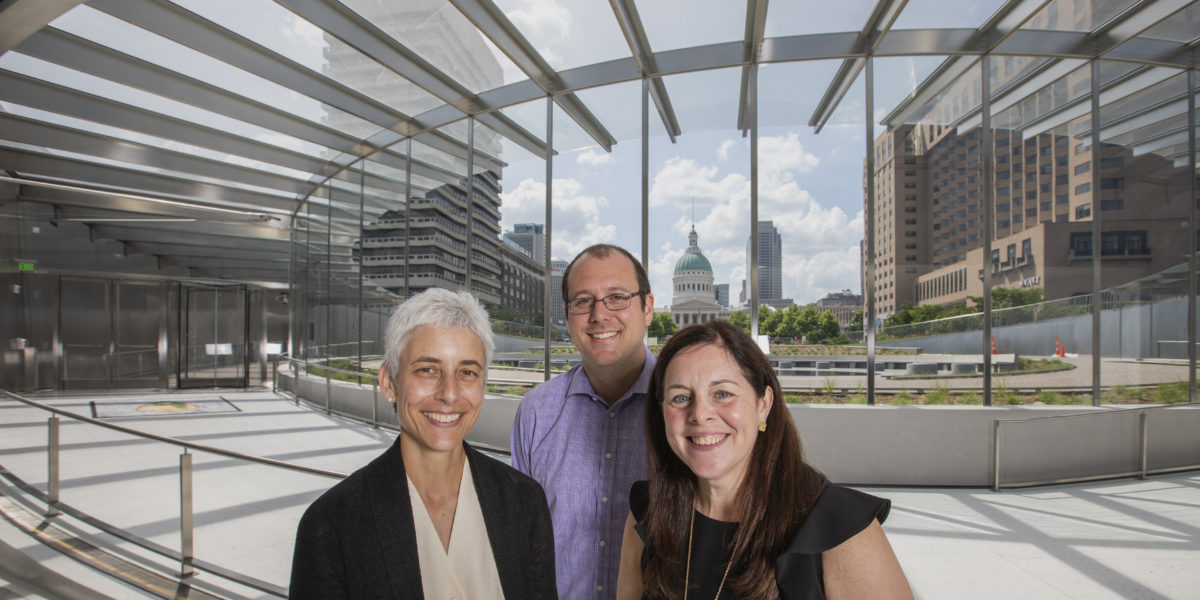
694, 299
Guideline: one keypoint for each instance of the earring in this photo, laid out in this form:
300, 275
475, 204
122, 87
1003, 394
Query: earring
762, 426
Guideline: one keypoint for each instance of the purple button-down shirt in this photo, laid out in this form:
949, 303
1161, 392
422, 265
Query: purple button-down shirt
586, 454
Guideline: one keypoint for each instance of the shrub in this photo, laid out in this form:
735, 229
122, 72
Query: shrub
1171, 393
939, 395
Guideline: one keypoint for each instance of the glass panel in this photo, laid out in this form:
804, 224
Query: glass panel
896, 78
619, 108
705, 100
1076, 15
134, 41
568, 33
717, 22
1142, 200
929, 14
1181, 27
163, 143
787, 95
525, 243
796, 17
282, 31
438, 33
39, 69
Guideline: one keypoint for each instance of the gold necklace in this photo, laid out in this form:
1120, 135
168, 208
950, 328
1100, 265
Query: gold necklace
687, 570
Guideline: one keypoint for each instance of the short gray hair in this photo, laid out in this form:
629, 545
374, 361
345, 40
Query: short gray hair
440, 308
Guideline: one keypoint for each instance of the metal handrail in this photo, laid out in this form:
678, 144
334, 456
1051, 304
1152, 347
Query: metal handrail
177, 442
1143, 443
188, 562
329, 410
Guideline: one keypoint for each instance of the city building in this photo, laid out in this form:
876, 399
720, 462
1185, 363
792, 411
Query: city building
531, 237
842, 305
558, 314
928, 225
693, 298
721, 294
438, 253
770, 267
523, 284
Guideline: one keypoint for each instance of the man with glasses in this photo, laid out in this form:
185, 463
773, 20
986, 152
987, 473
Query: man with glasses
581, 434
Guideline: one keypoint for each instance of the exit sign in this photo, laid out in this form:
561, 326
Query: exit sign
24, 266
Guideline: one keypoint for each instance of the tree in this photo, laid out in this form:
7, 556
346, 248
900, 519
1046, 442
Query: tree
856, 322
769, 320
740, 320
662, 325
827, 330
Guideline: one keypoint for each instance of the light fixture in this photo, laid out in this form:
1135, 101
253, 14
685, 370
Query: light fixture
74, 188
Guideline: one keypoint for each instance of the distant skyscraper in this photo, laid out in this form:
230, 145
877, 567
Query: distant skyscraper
558, 316
721, 294
532, 237
770, 266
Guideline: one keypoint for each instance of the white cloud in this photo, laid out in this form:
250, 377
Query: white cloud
820, 241
662, 267
593, 158
576, 222
545, 24
723, 150
812, 277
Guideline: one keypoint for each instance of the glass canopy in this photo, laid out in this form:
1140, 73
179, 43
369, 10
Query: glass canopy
289, 128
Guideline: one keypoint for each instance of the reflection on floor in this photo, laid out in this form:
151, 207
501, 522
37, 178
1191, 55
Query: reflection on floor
1118, 539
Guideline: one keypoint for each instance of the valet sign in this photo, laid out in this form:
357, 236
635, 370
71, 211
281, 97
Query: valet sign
1031, 281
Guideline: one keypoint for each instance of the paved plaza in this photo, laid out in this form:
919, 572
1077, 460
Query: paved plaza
1115, 539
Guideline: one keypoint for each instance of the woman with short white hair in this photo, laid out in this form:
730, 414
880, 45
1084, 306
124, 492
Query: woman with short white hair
432, 517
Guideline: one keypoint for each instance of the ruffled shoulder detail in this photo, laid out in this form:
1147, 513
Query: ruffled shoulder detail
839, 514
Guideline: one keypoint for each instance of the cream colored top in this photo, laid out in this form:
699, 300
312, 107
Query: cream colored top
468, 569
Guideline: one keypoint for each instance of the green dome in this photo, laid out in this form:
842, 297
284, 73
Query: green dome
693, 261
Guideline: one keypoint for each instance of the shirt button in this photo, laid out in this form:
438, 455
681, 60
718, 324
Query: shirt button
612, 415
602, 544
604, 499
599, 588
608, 455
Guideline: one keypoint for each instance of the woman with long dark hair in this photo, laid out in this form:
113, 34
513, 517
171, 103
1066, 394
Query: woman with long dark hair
731, 509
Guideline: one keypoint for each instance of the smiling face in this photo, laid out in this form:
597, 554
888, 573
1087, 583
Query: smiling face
712, 414
608, 339
438, 388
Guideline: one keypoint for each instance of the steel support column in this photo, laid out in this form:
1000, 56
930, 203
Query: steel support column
987, 198
470, 196
1192, 227
546, 309
752, 106
1096, 232
869, 230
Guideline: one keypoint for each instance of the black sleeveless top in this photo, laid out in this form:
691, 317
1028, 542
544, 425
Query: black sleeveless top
838, 515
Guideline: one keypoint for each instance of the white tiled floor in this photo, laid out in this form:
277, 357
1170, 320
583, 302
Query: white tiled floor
1118, 539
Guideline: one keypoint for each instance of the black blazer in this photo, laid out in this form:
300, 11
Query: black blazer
357, 541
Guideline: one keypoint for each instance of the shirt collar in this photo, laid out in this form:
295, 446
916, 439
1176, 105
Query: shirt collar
580, 385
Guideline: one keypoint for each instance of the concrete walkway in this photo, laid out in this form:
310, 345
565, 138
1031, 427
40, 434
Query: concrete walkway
1119, 539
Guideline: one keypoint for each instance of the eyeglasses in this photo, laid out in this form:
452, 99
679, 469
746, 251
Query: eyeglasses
619, 301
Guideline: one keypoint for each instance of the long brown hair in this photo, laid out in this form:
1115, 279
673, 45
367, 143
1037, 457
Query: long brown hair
777, 493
